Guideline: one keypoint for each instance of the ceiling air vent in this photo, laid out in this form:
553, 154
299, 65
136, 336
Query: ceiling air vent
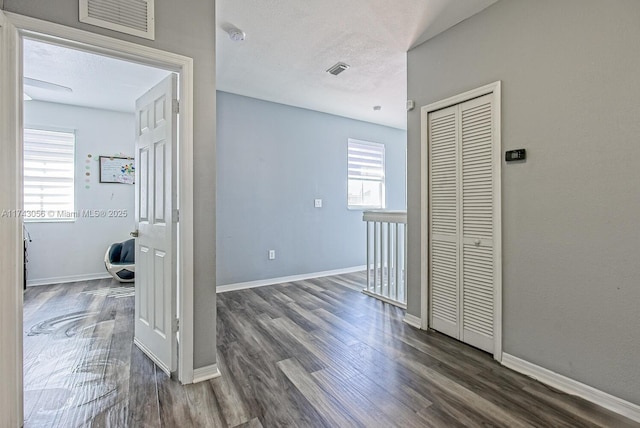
135, 17
338, 68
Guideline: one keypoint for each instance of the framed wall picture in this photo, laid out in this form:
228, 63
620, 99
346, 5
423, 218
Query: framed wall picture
114, 169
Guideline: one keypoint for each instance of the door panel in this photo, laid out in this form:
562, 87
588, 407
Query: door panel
443, 135
156, 243
477, 286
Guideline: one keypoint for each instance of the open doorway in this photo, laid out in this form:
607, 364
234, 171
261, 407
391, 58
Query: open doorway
14, 29
79, 121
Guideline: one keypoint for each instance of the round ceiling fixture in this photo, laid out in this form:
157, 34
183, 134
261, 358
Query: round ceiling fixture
236, 34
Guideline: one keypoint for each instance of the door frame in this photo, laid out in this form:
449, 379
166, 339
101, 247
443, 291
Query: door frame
11, 254
32, 28
425, 239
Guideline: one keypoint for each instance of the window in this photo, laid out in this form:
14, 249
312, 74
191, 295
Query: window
365, 174
48, 174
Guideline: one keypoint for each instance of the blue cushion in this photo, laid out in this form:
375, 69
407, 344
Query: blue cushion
114, 253
128, 253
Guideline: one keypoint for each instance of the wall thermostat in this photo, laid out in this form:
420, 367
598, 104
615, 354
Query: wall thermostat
515, 155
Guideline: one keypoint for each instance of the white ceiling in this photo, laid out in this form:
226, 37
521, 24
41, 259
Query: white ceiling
97, 81
289, 46
291, 43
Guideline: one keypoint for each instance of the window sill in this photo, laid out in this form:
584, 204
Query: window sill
50, 220
363, 208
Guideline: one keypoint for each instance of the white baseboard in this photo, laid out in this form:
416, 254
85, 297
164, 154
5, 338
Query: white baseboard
413, 321
572, 387
65, 279
273, 281
206, 373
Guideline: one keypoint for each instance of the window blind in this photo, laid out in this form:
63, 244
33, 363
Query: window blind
365, 160
365, 174
49, 171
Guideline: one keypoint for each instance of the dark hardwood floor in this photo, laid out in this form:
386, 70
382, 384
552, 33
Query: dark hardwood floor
312, 353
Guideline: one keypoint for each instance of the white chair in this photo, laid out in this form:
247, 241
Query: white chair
120, 260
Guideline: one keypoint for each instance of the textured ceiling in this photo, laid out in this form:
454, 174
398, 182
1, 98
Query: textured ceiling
291, 43
97, 81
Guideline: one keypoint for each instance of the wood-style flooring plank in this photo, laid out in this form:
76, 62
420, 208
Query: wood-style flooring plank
144, 408
232, 405
327, 406
260, 388
204, 409
370, 406
173, 402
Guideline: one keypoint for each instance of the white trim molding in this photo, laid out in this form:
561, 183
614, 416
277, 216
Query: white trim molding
11, 244
572, 387
292, 278
413, 321
66, 279
206, 373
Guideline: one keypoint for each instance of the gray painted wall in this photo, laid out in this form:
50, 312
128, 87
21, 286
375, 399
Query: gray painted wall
273, 161
186, 28
571, 213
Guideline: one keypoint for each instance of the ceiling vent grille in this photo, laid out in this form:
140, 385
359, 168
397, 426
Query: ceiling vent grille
135, 17
338, 68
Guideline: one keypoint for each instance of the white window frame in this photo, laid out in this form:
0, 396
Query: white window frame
43, 214
381, 180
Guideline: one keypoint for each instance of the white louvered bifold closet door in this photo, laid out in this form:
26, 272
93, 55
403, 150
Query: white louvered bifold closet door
462, 204
443, 137
477, 222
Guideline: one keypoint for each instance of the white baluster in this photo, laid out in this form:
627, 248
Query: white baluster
368, 258
375, 256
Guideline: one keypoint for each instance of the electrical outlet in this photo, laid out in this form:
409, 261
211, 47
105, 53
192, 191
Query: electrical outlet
317, 203
272, 254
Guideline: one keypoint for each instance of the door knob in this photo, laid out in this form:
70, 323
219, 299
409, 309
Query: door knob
477, 242
134, 233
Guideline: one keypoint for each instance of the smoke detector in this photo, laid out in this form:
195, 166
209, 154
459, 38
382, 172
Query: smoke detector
236, 34
377, 108
338, 68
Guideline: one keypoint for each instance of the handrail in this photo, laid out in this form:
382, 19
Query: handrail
387, 216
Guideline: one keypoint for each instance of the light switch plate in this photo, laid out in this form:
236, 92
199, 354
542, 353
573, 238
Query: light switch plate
317, 203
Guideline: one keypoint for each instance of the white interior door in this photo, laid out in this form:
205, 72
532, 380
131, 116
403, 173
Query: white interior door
463, 203
155, 294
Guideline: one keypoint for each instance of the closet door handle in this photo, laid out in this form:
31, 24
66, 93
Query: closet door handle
477, 242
